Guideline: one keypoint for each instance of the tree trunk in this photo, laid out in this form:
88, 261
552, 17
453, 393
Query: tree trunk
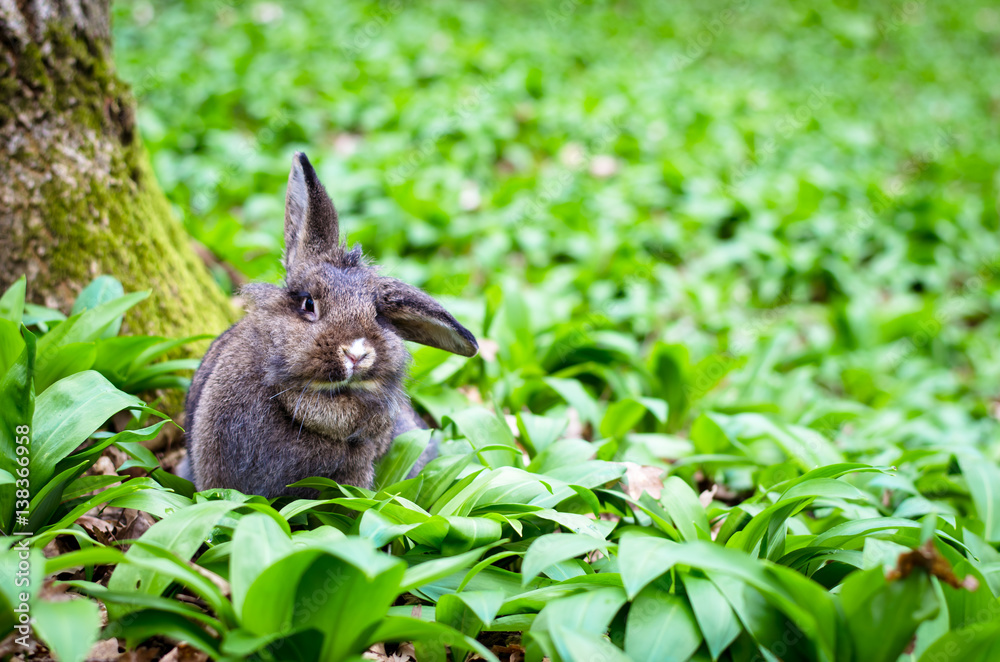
77, 195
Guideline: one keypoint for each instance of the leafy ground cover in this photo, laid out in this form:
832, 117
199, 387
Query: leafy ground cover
735, 272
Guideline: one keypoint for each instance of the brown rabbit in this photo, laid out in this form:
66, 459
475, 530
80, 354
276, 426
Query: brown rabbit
310, 381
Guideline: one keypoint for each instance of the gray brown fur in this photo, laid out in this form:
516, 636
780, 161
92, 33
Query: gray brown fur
304, 387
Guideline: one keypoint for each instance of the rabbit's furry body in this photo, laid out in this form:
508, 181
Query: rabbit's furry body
310, 381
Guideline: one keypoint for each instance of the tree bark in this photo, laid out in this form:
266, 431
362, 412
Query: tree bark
77, 195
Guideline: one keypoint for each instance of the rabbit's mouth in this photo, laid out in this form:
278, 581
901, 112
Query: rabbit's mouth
344, 385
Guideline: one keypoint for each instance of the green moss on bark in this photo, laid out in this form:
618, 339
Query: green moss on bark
81, 199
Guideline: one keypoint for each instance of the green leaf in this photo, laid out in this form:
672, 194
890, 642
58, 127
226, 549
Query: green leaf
590, 611
685, 509
68, 627
716, 620
983, 479
45, 502
84, 557
18, 396
468, 612
139, 626
12, 301
269, 543
574, 645
484, 428
182, 533
577, 397
549, 549
87, 326
66, 414
100, 290
661, 627
349, 585
433, 570
621, 417
642, 559
403, 628
107, 495
977, 642
63, 362
538, 432
141, 600
883, 616
403, 454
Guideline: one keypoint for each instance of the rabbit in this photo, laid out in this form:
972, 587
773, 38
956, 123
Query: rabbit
310, 381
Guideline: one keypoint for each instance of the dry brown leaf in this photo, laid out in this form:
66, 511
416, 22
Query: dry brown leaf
105, 650
575, 429
639, 479
376, 652
514, 652
404, 653
488, 349
184, 653
143, 654
103, 467
472, 394
929, 558
136, 525
219, 582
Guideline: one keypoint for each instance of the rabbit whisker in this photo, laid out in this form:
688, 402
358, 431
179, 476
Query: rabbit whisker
280, 392
303, 421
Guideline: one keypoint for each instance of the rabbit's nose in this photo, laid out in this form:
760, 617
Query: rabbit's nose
355, 352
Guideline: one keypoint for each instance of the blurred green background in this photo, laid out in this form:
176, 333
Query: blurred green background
749, 206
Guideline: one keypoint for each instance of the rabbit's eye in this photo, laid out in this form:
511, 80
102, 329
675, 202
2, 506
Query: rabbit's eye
307, 306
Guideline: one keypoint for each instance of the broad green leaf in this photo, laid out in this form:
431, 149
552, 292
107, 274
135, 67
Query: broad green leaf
621, 416
577, 397
684, 508
573, 645
590, 611
716, 620
402, 628
12, 301
66, 414
100, 290
435, 569
182, 533
18, 395
269, 543
661, 626
554, 547
403, 454
484, 428
538, 432
882, 616
983, 479
138, 626
68, 627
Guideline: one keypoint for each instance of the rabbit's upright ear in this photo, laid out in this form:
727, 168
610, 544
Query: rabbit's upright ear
311, 228
421, 319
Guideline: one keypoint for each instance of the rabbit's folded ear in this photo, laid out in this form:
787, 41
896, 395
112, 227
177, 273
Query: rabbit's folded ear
311, 228
419, 318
